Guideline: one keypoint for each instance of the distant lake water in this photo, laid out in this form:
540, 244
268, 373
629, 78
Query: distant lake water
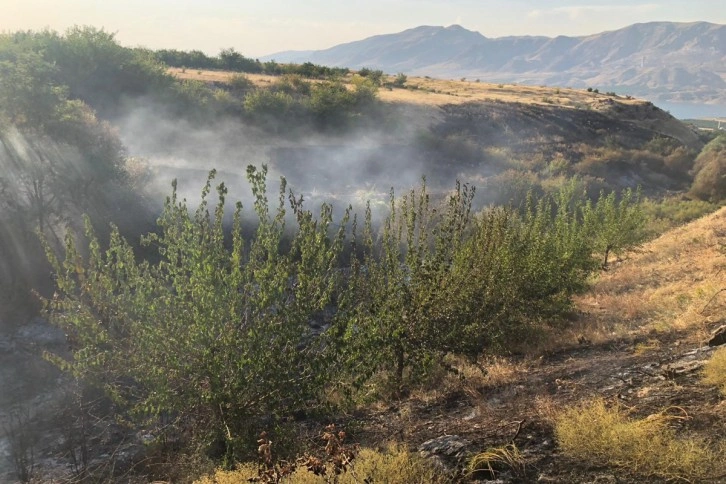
693, 111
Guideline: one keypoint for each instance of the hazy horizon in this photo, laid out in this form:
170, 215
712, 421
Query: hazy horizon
259, 29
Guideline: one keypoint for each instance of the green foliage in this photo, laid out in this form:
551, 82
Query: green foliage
86, 63
400, 80
671, 212
270, 107
216, 331
292, 101
518, 271
709, 182
393, 318
240, 83
618, 223
375, 76
293, 85
435, 283
231, 60
28, 92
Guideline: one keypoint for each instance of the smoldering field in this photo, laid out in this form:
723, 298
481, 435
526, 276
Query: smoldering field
352, 168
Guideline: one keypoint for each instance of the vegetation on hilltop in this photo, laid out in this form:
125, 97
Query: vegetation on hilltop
231, 60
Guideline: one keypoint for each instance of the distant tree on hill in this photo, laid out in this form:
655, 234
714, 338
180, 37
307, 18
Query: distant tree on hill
616, 223
709, 182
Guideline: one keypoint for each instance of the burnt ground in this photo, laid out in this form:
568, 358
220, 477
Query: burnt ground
520, 411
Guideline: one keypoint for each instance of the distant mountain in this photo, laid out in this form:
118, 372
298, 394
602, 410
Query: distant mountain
666, 61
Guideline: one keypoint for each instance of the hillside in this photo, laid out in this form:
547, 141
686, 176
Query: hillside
476, 131
677, 62
639, 338
416, 261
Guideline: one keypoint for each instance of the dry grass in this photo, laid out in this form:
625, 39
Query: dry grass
493, 461
459, 375
665, 286
394, 465
596, 434
714, 373
219, 76
437, 92
441, 91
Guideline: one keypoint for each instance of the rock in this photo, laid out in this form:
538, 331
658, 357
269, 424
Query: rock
719, 336
447, 452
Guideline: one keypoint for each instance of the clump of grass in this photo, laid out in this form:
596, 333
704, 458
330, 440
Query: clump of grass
714, 372
395, 465
495, 460
600, 435
646, 347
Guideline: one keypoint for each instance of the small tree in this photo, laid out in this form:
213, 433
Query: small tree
215, 332
709, 182
392, 319
400, 80
616, 223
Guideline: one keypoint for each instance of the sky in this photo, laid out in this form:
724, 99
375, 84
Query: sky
258, 28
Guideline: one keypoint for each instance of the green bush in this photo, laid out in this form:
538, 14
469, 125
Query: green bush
272, 106
438, 282
400, 80
240, 83
709, 182
391, 317
617, 223
671, 212
214, 332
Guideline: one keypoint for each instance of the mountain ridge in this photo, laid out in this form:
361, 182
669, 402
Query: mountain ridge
666, 61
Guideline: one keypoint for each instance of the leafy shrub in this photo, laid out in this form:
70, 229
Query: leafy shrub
620, 222
292, 84
214, 333
269, 105
375, 76
391, 315
240, 83
709, 182
595, 434
436, 283
400, 80
671, 212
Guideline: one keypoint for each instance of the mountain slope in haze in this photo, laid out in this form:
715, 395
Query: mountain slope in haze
667, 61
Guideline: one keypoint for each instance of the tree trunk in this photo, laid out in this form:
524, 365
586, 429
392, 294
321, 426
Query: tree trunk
607, 254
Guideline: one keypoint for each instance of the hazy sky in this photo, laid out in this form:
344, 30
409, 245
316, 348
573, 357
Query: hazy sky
256, 28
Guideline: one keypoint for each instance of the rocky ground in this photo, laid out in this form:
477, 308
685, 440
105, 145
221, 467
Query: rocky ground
455, 426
